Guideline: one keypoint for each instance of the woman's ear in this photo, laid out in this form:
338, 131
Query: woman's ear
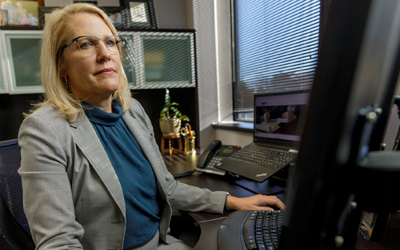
63, 71
64, 74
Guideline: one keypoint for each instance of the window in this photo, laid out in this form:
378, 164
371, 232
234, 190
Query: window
275, 47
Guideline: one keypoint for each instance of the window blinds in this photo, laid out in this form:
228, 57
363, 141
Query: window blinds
275, 47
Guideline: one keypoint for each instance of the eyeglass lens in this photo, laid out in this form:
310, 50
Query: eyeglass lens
89, 45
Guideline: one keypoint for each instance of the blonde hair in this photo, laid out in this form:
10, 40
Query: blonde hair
52, 63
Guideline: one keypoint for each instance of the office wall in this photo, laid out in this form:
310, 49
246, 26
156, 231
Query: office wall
211, 20
229, 137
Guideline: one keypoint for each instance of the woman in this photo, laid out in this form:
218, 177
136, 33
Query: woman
92, 173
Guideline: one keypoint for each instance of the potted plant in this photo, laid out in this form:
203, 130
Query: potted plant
171, 117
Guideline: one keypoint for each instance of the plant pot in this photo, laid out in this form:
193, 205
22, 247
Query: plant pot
170, 127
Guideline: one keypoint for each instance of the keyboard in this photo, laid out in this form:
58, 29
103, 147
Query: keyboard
265, 156
262, 229
246, 230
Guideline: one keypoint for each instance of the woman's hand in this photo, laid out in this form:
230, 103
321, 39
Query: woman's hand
256, 202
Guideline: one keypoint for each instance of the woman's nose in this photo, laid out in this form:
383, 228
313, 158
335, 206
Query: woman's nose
103, 53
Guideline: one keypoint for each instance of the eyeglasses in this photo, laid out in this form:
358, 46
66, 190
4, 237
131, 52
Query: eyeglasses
88, 45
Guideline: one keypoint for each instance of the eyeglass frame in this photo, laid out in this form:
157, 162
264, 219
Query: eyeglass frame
98, 38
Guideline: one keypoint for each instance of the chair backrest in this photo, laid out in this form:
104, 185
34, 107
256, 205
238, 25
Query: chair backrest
13, 223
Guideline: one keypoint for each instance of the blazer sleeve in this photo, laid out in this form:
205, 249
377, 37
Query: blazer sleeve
182, 196
47, 195
190, 198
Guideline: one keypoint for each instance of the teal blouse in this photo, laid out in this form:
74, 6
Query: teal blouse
134, 173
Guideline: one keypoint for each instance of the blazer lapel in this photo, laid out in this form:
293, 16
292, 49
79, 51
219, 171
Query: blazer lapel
87, 140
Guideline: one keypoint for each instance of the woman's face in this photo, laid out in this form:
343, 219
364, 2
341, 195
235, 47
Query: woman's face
92, 78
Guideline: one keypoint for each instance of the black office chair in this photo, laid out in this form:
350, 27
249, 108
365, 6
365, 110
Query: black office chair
13, 223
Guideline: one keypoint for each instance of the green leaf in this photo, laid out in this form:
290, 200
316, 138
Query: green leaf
169, 110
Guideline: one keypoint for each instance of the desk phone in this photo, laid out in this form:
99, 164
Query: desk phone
212, 157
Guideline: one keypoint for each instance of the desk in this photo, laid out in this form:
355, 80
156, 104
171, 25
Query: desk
208, 222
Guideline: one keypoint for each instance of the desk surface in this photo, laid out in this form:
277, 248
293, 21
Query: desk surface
209, 223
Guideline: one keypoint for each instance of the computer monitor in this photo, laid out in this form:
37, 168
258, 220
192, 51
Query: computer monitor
352, 95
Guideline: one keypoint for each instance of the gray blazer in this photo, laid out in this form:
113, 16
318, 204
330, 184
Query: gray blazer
71, 194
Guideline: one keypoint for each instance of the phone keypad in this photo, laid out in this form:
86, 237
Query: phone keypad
215, 161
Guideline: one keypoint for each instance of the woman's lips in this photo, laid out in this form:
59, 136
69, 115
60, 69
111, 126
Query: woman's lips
106, 71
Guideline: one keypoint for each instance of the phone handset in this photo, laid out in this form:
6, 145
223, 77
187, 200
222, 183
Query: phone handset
208, 153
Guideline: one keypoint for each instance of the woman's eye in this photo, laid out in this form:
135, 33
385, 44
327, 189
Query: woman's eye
110, 43
86, 45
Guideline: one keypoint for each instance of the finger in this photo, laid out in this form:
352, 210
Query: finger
279, 204
265, 208
274, 201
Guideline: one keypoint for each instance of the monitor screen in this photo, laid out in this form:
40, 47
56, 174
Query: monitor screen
278, 115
